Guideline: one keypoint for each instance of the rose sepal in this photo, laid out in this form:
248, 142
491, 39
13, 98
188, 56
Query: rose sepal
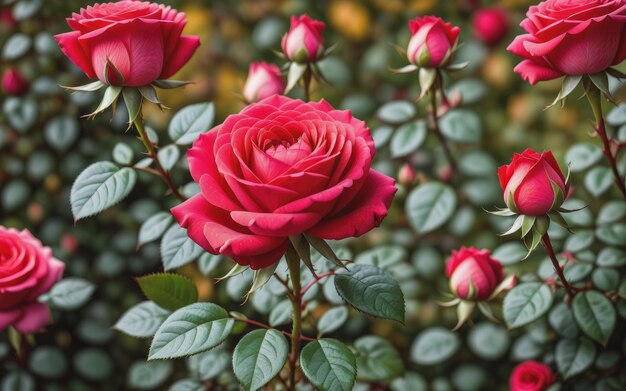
89, 87
325, 250
260, 278
237, 269
464, 311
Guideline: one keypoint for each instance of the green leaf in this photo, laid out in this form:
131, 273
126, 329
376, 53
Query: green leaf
281, 314
209, 365
434, 346
71, 293
190, 330
605, 279
598, 180
190, 121
18, 380
430, 205
614, 234
258, 357
122, 154
377, 360
612, 257
60, 132
332, 320
574, 356
187, 385
582, 156
396, 112
16, 46
371, 290
48, 362
461, 126
329, 365
208, 263
100, 186
408, 138
611, 212
142, 320
595, 315
168, 156
177, 248
154, 227
489, 341
149, 375
562, 321
411, 381
168, 291
525, 303
509, 253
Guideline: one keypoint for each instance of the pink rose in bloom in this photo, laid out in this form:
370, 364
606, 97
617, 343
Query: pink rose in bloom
304, 41
490, 25
529, 181
13, 83
531, 376
473, 274
282, 167
141, 40
432, 42
27, 270
264, 80
571, 37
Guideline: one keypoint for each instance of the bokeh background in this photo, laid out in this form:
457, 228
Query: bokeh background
44, 145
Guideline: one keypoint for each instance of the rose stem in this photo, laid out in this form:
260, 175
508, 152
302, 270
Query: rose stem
596, 105
306, 83
545, 240
265, 326
296, 304
435, 119
152, 153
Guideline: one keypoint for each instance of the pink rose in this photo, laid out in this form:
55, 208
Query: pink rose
473, 274
304, 41
13, 83
27, 270
432, 42
490, 25
282, 167
531, 376
529, 183
141, 40
264, 80
570, 37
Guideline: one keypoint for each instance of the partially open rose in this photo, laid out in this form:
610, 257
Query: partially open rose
282, 167
139, 41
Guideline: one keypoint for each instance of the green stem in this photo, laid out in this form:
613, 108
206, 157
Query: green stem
306, 82
143, 136
296, 332
594, 97
435, 119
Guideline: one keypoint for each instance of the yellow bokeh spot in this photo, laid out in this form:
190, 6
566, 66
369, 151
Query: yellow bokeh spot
350, 18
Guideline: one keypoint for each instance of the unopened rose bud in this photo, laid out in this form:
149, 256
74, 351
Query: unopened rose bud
406, 175
490, 25
304, 41
264, 80
473, 273
432, 42
13, 83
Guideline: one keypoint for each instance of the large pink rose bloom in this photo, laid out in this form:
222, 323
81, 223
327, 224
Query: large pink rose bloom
27, 270
571, 37
282, 167
141, 40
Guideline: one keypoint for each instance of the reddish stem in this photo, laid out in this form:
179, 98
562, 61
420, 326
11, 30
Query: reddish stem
316, 280
545, 240
265, 326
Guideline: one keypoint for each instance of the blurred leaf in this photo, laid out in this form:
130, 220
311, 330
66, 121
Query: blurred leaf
574, 356
598, 180
168, 291
595, 315
48, 362
377, 360
210, 364
332, 320
178, 249
258, 358
562, 321
190, 330
26, 9
408, 138
582, 156
489, 341
142, 320
525, 303
154, 227
21, 114
329, 365
60, 132
605, 279
122, 154
168, 156
617, 115
71, 293
411, 381
462, 126
434, 346
611, 256
614, 234
611, 212
18, 381
396, 112
430, 205
16, 46
187, 385
93, 364
510, 253
190, 121
281, 314
149, 375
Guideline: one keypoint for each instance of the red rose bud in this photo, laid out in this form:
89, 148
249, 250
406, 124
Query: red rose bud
531, 376
432, 42
474, 274
6, 18
490, 25
13, 83
304, 41
406, 175
264, 80
533, 184
574, 37
129, 42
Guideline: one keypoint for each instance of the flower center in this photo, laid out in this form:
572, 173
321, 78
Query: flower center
289, 154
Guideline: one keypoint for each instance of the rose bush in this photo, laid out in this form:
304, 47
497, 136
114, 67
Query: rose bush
129, 42
570, 37
432, 42
304, 41
529, 183
531, 376
27, 270
282, 167
264, 80
473, 273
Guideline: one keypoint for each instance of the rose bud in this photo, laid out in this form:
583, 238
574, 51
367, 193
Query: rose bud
27, 270
304, 41
13, 83
406, 175
264, 80
490, 25
130, 43
531, 376
474, 274
533, 184
6, 18
574, 37
432, 42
